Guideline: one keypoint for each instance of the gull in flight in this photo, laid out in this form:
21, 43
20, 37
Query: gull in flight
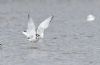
34, 34
90, 18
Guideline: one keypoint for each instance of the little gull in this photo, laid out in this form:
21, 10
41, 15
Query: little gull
34, 34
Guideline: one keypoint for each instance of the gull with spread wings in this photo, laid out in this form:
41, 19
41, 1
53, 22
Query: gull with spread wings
34, 34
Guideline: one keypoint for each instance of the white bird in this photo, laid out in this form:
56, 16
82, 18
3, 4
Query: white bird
90, 18
34, 34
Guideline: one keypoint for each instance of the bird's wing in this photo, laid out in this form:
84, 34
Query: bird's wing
31, 25
44, 25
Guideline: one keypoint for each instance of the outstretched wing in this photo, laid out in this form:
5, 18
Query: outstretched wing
31, 27
44, 25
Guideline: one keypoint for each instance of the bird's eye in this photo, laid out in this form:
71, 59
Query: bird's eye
37, 35
30, 37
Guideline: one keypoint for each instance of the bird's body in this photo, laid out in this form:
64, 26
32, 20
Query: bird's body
35, 34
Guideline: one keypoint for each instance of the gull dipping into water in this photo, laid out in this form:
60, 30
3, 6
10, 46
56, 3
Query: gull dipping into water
34, 34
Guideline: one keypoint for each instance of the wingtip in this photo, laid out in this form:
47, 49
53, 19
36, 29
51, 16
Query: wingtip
51, 17
28, 15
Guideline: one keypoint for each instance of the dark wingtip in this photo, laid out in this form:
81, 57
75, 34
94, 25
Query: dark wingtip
52, 17
28, 15
24, 31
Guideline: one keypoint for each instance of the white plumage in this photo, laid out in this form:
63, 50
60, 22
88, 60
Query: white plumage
90, 18
34, 34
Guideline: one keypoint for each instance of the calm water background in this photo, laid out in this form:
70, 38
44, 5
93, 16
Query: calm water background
69, 40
